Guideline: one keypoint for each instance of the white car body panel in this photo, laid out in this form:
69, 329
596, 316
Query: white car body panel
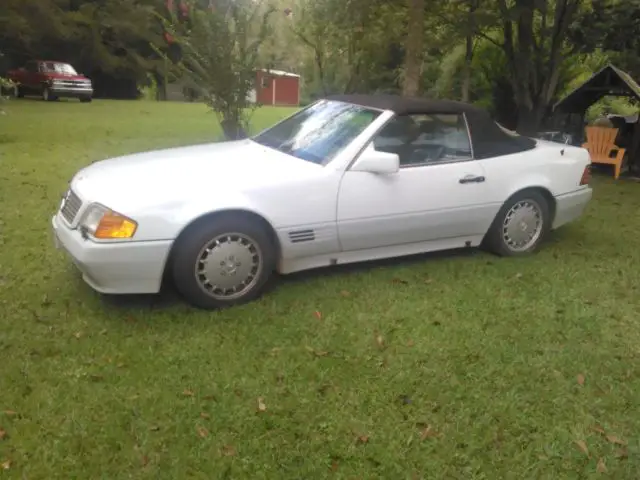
322, 215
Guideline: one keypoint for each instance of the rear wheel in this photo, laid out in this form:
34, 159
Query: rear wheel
223, 261
520, 226
17, 92
85, 99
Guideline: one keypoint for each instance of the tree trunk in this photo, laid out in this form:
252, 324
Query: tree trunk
466, 73
232, 128
414, 50
530, 119
468, 56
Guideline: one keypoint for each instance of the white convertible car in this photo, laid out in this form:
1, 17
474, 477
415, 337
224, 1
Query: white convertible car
347, 179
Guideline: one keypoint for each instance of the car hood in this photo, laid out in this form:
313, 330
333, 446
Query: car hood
178, 174
64, 76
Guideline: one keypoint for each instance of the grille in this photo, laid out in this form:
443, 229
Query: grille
72, 84
71, 206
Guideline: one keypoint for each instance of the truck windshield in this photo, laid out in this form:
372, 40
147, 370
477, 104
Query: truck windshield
63, 68
318, 133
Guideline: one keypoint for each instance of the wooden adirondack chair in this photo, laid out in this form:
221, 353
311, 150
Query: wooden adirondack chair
601, 143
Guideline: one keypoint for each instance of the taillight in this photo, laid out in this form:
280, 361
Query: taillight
586, 175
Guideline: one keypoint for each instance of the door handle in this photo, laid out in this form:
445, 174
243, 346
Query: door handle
472, 179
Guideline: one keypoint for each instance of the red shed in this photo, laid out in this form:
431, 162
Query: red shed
275, 87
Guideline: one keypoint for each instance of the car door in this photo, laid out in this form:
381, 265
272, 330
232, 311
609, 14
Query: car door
438, 193
31, 76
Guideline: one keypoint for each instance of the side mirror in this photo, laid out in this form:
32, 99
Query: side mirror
374, 161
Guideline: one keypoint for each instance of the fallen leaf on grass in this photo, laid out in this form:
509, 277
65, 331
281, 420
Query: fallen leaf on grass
10, 413
345, 293
144, 460
410, 343
318, 314
518, 275
6, 465
202, 432
262, 407
187, 393
334, 465
428, 432
228, 451
601, 467
622, 453
599, 429
3, 434
615, 440
363, 439
204, 415
78, 334
582, 446
400, 281
580, 379
154, 428
380, 341
317, 353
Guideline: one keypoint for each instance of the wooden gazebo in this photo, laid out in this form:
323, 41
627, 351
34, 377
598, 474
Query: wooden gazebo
569, 113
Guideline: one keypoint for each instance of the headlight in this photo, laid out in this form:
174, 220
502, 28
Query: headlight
105, 224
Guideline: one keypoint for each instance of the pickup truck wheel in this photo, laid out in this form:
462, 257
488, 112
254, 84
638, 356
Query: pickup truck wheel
85, 99
223, 262
47, 96
521, 224
17, 92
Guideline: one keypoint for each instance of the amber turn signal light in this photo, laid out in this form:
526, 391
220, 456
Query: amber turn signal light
114, 225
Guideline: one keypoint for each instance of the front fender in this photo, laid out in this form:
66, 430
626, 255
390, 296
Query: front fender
168, 222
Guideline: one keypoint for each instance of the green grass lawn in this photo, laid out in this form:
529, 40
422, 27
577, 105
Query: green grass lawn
461, 366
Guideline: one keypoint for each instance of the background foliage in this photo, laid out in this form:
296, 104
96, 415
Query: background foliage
516, 57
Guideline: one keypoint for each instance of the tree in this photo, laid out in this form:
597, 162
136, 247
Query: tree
107, 39
415, 48
611, 26
534, 40
351, 44
219, 51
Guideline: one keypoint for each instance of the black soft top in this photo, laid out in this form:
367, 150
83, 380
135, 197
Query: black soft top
487, 138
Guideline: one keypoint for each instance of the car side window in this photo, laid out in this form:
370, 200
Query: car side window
425, 139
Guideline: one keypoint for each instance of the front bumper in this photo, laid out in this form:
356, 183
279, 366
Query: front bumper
570, 206
114, 268
75, 92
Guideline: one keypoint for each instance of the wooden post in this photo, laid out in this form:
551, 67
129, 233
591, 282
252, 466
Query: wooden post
634, 151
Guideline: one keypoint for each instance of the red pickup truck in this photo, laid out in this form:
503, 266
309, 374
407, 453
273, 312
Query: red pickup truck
51, 80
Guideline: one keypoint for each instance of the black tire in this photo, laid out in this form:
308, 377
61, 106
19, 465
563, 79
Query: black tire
18, 92
85, 99
188, 250
47, 96
496, 239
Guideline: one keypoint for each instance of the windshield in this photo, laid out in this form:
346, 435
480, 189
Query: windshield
63, 68
318, 133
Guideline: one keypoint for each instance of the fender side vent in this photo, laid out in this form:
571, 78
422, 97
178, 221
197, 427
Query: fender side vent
299, 236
